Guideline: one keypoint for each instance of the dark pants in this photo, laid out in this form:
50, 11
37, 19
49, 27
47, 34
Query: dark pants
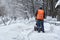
40, 24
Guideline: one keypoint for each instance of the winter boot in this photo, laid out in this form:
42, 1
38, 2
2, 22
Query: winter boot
43, 31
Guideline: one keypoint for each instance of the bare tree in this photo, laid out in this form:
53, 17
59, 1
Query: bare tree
2, 11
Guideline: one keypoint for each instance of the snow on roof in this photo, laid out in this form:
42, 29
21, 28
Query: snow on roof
58, 3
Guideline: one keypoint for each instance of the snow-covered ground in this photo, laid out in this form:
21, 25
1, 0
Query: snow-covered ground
23, 30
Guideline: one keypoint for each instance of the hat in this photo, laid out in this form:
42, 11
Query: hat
40, 8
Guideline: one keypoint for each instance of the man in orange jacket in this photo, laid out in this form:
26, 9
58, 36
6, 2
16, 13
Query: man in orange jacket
40, 15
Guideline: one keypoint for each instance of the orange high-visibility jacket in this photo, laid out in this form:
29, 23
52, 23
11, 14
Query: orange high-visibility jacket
40, 15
